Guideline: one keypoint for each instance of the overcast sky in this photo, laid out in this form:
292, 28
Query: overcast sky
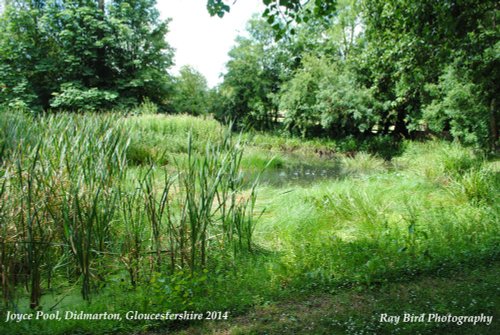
203, 41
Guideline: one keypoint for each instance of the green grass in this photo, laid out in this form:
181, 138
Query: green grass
357, 311
137, 218
163, 139
364, 163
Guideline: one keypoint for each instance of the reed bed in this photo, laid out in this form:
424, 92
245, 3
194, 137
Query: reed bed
69, 211
80, 210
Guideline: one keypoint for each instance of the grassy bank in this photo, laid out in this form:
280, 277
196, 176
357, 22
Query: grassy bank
358, 311
152, 213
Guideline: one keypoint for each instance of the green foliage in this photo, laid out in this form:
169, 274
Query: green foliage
322, 94
347, 107
77, 98
109, 56
175, 292
20, 48
376, 67
403, 54
139, 56
458, 107
299, 96
284, 13
252, 81
191, 94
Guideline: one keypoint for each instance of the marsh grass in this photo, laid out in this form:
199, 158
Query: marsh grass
59, 197
435, 208
212, 212
161, 139
478, 185
178, 228
364, 163
64, 195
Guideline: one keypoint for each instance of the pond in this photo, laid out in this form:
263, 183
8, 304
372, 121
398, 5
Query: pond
300, 174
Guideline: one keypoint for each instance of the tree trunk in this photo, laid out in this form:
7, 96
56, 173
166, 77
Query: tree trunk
400, 128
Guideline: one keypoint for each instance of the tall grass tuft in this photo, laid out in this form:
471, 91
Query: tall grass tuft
58, 192
70, 210
200, 209
134, 233
478, 185
363, 163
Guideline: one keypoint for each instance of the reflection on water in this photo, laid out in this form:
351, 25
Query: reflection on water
303, 174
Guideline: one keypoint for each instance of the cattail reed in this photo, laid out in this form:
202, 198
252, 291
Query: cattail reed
68, 209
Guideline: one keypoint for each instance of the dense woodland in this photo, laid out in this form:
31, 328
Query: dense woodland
345, 167
335, 69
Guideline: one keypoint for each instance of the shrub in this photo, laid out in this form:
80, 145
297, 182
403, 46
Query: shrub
458, 107
73, 97
324, 95
147, 107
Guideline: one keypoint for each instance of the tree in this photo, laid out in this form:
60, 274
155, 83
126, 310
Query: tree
22, 48
139, 56
402, 57
190, 92
410, 44
254, 75
53, 52
299, 96
457, 107
323, 97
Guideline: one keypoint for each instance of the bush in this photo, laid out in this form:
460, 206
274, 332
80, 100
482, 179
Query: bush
325, 95
17, 93
458, 107
74, 97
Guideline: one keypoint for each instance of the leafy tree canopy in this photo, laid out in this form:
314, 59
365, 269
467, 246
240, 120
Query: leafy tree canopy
53, 53
190, 92
282, 15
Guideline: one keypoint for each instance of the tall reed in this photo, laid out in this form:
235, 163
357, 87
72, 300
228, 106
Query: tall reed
59, 193
201, 208
90, 198
134, 234
156, 210
67, 207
